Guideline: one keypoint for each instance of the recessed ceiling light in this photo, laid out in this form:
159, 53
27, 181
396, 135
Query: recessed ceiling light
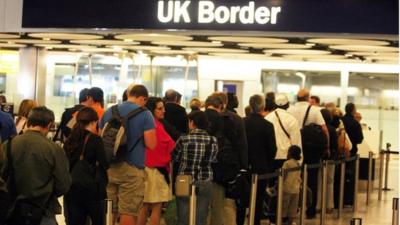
368, 48
297, 51
153, 37
248, 39
347, 41
65, 36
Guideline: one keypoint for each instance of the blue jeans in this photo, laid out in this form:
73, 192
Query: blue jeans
203, 195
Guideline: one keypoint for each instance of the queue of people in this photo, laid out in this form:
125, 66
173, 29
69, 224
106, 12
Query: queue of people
133, 152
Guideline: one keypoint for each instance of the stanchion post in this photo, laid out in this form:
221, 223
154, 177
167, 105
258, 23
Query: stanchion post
192, 211
395, 207
387, 167
341, 188
280, 198
370, 155
109, 213
253, 195
381, 158
356, 175
356, 221
304, 196
324, 192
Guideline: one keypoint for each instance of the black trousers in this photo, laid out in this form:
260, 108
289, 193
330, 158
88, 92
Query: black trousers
78, 211
313, 185
260, 197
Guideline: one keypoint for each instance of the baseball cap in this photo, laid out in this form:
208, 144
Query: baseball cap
281, 99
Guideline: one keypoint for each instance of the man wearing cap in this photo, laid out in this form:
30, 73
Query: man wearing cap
95, 99
299, 112
287, 130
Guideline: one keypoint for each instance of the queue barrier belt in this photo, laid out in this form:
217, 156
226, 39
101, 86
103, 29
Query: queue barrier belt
267, 176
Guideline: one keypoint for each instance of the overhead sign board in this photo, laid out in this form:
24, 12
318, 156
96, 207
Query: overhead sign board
321, 16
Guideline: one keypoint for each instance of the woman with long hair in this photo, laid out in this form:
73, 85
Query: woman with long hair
23, 112
84, 144
157, 165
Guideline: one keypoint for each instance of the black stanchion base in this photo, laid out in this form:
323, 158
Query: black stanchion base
386, 189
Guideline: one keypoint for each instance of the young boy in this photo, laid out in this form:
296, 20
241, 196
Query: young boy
194, 153
291, 184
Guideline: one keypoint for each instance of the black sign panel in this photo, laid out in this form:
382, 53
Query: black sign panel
320, 16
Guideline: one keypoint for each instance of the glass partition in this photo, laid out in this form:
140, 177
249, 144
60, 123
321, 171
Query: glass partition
9, 69
376, 96
324, 84
68, 74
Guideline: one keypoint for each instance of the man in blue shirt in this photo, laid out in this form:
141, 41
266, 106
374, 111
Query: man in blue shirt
7, 126
126, 179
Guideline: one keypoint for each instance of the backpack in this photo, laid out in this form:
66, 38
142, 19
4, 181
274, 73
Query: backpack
114, 135
313, 139
228, 165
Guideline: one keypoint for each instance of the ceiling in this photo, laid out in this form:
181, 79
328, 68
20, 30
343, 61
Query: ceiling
304, 48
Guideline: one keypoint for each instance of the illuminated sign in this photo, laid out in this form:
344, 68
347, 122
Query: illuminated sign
208, 12
311, 16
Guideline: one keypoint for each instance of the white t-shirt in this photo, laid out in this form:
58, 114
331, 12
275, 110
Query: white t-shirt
292, 128
299, 112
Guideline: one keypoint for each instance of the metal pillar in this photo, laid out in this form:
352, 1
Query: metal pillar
395, 207
192, 212
387, 167
356, 175
304, 195
341, 188
109, 214
324, 192
280, 198
253, 195
381, 158
370, 155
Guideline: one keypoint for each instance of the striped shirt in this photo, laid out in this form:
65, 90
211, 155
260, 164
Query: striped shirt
195, 152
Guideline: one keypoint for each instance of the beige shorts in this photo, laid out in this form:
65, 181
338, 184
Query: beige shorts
126, 188
157, 190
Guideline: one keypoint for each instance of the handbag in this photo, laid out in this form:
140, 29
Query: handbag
183, 185
85, 177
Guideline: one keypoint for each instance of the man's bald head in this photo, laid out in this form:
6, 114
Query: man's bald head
303, 95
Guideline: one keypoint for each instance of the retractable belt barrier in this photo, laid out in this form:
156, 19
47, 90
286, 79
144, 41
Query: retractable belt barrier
305, 168
109, 213
395, 207
356, 221
382, 153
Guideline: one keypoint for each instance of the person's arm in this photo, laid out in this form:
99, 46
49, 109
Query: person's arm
61, 176
11, 127
321, 122
150, 139
242, 145
295, 135
149, 134
272, 142
100, 153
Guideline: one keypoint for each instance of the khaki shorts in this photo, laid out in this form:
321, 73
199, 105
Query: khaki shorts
126, 188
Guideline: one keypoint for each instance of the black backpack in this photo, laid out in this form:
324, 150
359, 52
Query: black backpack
313, 139
114, 135
228, 165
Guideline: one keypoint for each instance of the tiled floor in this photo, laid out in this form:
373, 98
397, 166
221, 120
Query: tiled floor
376, 213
